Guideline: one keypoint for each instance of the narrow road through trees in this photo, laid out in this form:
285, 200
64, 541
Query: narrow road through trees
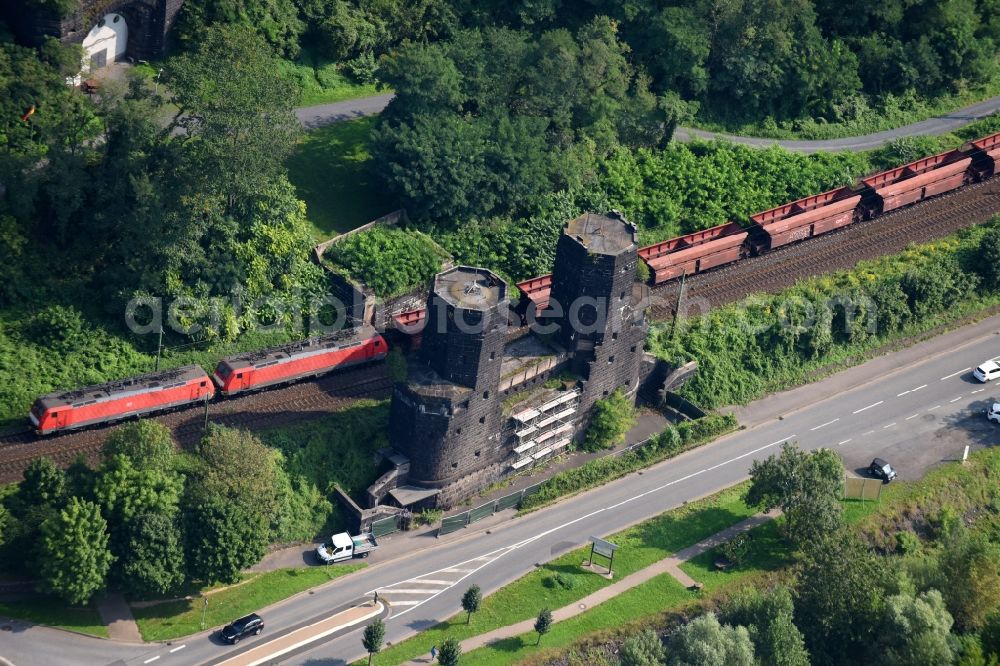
312, 117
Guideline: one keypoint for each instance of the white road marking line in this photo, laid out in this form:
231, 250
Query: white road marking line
979, 390
888, 426
931, 409
867, 433
500, 552
956, 399
149, 661
454, 571
874, 404
912, 417
179, 647
843, 442
400, 590
824, 425
411, 602
955, 373
900, 395
430, 582
922, 386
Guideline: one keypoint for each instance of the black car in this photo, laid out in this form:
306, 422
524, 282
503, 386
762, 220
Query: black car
882, 470
237, 629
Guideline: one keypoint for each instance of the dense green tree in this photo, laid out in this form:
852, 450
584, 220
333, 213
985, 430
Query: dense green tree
471, 600
522, 114
147, 444
915, 630
74, 548
232, 499
450, 652
986, 262
221, 539
768, 616
302, 509
610, 420
705, 642
838, 599
971, 579
124, 491
276, 21
44, 485
543, 623
806, 486
373, 638
231, 98
152, 561
642, 649
237, 466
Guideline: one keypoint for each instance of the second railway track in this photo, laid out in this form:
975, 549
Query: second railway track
831, 252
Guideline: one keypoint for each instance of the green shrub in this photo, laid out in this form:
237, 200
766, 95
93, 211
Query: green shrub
907, 543
610, 419
428, 516
391, 261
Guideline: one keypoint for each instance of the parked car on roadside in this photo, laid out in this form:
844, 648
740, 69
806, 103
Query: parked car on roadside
246, 625
993, 412
882, 470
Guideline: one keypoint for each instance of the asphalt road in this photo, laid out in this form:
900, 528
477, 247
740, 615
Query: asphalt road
916, 408
325, 114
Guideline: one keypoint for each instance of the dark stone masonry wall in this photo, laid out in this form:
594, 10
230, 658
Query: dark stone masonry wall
447, 418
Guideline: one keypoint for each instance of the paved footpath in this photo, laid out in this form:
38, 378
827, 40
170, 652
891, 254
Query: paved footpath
117, 615
669, 565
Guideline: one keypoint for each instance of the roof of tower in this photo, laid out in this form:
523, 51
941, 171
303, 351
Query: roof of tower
470, 288
611, 234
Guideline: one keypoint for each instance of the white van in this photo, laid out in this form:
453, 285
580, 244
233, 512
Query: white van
993, 413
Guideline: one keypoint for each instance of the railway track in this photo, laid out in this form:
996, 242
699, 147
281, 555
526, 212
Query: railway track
768, 273
837, 250
266, 409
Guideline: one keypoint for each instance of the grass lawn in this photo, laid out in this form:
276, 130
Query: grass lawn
56, 613
173, 619
332, 172
768, 552
641, 601
640, 546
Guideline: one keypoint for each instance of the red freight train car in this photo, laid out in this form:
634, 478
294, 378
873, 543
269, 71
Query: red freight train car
987, 156
695, 252
915, 181
411, 324
537, 291
806, 217
297, 360
118, 400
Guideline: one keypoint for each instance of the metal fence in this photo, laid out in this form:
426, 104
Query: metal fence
862, 489
466, 518
384, 526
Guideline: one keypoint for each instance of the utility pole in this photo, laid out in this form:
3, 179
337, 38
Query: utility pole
204, 609
677, 307
159, 349
205, 426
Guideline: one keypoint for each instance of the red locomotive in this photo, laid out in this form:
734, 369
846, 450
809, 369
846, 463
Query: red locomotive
298, 360
105, 403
